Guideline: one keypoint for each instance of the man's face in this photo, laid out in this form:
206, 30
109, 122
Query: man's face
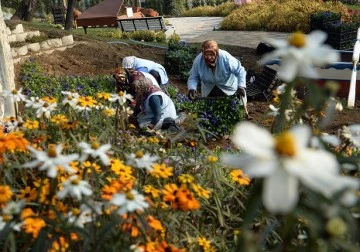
210, 58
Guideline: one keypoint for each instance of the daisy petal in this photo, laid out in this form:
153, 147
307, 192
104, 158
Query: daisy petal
280, 192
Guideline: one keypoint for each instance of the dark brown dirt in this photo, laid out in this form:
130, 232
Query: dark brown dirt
92, 57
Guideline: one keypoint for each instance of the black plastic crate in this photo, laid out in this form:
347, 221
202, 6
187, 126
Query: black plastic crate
319, 20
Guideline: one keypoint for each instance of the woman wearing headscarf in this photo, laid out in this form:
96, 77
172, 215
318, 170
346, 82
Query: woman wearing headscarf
152, 104
147, 66
218, 72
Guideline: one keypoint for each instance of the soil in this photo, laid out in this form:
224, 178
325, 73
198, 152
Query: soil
93, 57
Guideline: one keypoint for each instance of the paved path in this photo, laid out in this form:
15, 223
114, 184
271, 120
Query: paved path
198, 29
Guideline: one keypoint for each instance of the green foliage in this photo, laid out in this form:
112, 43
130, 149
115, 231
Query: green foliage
221, 10
284, 16
17, 44
160, 37
179, 59
36, 83
216, 116
56, 34
36, 39
147, 36
110, 34
174, 38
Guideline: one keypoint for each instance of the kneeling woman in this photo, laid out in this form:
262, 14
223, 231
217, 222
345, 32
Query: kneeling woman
152, 104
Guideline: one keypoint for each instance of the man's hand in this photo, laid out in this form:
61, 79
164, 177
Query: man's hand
240, 92
191, 94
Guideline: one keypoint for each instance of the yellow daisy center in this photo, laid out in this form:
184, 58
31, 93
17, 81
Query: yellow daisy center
121, 93
14, 91
52, 151
75, 181
139, 154
297, 39
130, 196
285, 144
95, 145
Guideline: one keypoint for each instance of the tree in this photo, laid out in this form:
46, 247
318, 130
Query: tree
25, 11
70, 14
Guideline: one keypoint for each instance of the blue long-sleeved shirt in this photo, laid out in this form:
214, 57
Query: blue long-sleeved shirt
229, 74
145, 65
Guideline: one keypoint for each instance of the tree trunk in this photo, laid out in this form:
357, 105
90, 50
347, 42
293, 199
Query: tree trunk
70, 14
25, 11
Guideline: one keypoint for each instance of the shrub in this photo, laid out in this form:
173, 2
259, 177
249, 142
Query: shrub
16, 44
221, 10
147, 36
160, 37
284, 16
174, 38
36, 39
110, 34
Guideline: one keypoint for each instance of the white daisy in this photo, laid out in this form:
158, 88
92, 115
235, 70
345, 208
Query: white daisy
352, 133
33, 102
14, 94
284, 161
44, 108
129, 202
81, 219
71, 99
300, 53
75, 188
50, 160
121, 97
13, 207
95, 150
141, 160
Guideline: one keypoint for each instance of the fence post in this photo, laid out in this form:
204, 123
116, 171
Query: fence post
7, 74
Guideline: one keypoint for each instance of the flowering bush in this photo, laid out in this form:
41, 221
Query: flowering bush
76, 175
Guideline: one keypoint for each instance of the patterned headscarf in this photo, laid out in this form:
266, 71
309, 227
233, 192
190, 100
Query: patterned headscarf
128, 62
143, 88
210, 45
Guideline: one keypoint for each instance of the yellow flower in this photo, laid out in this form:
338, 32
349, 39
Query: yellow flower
155, 193
119, 168
212, 159
49, 99
201, 192
203, 242
5, 193
87, 101
28, 194
161, 171
336, 227
103, 96
88, 166
59, 119
186, 178
239, 177
109, 112
29, 124
154, 140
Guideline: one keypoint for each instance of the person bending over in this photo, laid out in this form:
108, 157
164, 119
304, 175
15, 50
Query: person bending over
152, 104
147, 66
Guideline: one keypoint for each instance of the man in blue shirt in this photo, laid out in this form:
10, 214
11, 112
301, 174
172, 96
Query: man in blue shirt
218, 72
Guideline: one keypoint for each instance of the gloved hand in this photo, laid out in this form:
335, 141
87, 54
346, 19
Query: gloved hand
240, 92
191, 94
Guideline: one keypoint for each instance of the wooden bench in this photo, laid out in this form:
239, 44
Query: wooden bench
141, 24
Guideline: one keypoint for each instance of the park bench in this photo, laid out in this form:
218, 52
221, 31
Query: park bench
141, 24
